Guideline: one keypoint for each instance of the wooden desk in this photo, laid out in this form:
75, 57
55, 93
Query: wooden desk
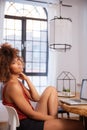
77, 109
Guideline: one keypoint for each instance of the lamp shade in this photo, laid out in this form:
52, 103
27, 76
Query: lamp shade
60, 33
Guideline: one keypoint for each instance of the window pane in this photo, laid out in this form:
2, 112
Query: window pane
43, 68
36, 80
28, 56
12, 33
36, 67
36, 57
36, 46
43, 57
28, 67
29, 46
29, 35
43, 80
43, 25
20, 9
43, 36
43, 47
12, 29
17, 35
18, 45
29, 25
36, 35
9, 24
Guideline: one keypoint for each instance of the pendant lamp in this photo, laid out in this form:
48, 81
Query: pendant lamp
60, 32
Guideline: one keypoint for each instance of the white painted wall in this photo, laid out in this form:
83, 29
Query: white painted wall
3, 113
74, 60
83, 39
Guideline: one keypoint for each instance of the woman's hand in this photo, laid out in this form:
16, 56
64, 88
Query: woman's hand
23, 76
32, 90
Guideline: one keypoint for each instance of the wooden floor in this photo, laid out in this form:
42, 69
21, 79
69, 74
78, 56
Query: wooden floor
4, 126
71, 116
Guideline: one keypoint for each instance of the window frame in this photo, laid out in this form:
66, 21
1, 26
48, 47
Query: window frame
23, 39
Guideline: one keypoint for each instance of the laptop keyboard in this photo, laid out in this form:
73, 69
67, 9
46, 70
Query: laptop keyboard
76, 100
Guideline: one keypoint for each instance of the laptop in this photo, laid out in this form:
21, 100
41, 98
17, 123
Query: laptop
83, 96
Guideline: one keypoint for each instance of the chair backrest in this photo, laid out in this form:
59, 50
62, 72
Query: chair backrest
12, 118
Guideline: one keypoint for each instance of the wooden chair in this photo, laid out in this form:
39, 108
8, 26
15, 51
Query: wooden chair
62, 111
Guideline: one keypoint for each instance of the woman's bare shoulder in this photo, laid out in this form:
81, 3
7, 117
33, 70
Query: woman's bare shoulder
13, 85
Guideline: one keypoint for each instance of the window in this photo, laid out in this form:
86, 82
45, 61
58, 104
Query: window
25, 27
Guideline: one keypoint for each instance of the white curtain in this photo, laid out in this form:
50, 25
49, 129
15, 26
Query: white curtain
2, 8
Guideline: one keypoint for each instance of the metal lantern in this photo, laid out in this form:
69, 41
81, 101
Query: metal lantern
60, 33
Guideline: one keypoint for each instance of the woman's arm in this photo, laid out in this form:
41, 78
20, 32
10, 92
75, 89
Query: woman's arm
32, 90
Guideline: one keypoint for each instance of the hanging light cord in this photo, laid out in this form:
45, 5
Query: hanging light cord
60, 4
60, 10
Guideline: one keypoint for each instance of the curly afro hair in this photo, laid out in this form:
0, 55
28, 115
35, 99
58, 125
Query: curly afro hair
7, 54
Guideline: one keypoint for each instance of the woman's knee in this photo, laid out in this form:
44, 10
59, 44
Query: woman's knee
51, 89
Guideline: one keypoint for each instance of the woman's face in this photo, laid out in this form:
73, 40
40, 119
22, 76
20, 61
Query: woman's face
16, 66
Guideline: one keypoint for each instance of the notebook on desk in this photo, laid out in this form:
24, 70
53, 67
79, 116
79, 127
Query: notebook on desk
83, 96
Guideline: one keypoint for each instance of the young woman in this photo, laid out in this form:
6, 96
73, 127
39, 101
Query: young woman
15, 94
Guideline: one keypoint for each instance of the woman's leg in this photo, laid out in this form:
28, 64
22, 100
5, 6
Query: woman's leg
48, 103
63, 124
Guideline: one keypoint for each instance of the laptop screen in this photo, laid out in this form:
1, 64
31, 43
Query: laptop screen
83, 94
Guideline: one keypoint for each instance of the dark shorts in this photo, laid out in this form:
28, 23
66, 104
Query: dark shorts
31, 124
